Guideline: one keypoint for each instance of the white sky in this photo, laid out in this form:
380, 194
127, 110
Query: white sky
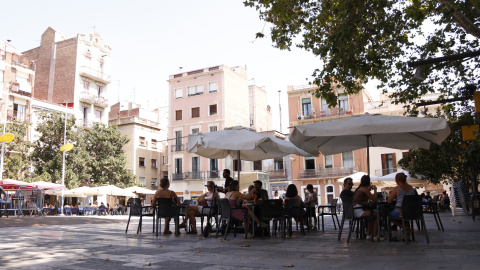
151, 39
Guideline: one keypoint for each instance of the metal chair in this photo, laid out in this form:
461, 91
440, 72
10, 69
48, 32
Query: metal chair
411, 211
273, 210
294, 209
167, 208
352, 220
332, 212
137, 211
433, 210
226, 214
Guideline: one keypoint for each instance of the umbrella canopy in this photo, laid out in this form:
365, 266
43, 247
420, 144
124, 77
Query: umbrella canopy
363, 131
389, 179
241, 143
356, 177
110, 190
76, 192
140, 190
11, 182
48, 185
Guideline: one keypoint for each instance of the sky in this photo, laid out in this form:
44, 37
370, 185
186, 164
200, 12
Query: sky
152, 39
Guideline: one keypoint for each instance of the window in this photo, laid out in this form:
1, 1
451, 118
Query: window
325, 109
235, 165
142, 180
343, 103
309, 163
85, 114
195, 131
142, 141
98, 115
195, 164
100, 90
163, 160
154, 163
212, 87
306, 106
141, 162
257, 165
154, 144
330, 192
1, 76
213, 169
389, 163
328, 161
213, 128
278, 163
196, 112
347, 159
178, 93
213, 109
178, 115
178, 165
22, 81
86, 85
88, 59
195, 90
154, 182
19, 111
178, 141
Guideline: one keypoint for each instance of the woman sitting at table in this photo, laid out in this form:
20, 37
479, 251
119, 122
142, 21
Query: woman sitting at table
292, 193
204, 203
361, 196
398, 193
164, 192
233, 196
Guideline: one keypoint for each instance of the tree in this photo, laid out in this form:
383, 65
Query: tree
17, 152
47, 157
107, 160
357, 41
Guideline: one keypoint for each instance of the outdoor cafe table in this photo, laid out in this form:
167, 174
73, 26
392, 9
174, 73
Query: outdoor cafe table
382, 210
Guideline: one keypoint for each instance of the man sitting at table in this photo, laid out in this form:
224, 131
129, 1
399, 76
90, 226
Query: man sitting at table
258, 193
347, 188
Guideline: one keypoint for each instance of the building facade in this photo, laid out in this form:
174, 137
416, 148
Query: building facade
147, 149
17, 75
323, 171
74, 72
207, 100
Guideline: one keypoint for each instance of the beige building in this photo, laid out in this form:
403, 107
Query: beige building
323, 171
206, 100
146, 151
74, 72
17, 74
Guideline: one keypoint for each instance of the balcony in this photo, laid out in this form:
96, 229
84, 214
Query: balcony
194, 175
94, 99
85, 123
177, 176
96, 75
178, 147
15, 89
21, 61
278, 175
13, 115
213, 174
328, 172
382, 172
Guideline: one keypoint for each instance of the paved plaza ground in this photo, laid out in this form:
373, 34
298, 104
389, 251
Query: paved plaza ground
101, 243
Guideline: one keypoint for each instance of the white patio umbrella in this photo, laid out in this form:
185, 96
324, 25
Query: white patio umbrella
365, 130
76, 192
140, 190
48, 185
389, 179
110, 190
241, 143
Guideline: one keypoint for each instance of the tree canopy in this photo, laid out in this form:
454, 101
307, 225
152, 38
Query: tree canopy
357, 41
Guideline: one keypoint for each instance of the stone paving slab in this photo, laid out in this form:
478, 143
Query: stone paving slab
101, 243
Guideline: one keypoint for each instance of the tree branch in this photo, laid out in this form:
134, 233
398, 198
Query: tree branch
461, 19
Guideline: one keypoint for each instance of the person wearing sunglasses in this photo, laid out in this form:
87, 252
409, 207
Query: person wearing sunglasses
347, 188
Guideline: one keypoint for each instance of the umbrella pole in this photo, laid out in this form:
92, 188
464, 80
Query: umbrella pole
368, 154
238, 166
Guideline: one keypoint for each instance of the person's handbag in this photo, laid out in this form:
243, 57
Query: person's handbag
201, 200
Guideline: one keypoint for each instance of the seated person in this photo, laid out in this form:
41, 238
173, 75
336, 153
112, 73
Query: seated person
428, 197
204, 204
234, 196
402, 189
347, 188
3, 196
361, 196
164, 192
102, 209
292, 193
32, 208
444, 203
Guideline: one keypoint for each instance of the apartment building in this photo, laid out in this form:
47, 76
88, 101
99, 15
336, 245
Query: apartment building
207, 100
323, 171
147, 149
17, 75
74, 72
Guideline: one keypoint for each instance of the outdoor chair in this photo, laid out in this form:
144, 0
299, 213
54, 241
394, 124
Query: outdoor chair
226, 215
328, 210
136, 211
81, 211
167, 208
68, 211
294, 209
411, 211
273, 210
206, 211
88, 210
353, 222
183, 210
432, 208
102, 210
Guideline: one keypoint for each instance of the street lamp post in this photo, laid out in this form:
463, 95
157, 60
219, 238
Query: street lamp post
5, 138
65, 148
